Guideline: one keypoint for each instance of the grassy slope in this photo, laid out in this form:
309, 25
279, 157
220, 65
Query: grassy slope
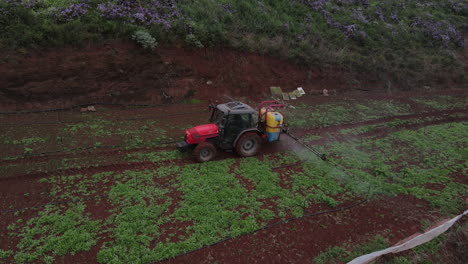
409, 44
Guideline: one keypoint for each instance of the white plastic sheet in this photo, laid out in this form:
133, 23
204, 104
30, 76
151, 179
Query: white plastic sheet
415, 241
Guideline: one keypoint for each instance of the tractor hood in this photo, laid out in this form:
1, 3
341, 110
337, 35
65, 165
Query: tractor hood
204, 130
200, 133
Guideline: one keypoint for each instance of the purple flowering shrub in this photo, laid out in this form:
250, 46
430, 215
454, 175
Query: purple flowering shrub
24, 3
141, 12
391, 19
150, 12
441, 32
72, 11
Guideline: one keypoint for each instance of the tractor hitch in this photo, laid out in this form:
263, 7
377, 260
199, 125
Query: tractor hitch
182, 146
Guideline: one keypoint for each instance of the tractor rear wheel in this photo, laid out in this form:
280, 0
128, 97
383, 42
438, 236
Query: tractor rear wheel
248, 144
204, 152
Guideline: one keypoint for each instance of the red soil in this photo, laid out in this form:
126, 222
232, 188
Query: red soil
21, 194
121, 72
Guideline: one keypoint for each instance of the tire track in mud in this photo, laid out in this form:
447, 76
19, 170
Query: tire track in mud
157, 118
111, 150
403, 95
120, 167
378, 132
382, 132
336, 128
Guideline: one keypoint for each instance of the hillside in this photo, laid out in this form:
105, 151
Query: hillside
398, 44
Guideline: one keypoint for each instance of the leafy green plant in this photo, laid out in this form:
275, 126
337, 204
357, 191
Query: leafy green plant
55, 233
29, 141
329, 255
145, 39
5, 253
97, 127
27, 151
135, 223
442, 102
156, 156
192, 40
312, 137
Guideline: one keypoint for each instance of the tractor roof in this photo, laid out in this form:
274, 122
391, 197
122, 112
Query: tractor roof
235, 108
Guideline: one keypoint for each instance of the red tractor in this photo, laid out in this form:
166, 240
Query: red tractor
234, 126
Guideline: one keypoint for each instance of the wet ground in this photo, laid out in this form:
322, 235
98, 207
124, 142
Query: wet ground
65, 143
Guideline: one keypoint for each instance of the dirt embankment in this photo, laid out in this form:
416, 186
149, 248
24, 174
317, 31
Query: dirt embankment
123, 73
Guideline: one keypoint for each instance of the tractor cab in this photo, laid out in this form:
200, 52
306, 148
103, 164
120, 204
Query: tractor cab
234, 126
231, 118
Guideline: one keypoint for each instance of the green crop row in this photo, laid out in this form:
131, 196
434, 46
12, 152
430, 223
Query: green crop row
405, 162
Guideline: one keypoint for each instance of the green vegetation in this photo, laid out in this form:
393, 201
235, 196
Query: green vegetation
23, 141
214, 204
132, 134
97, 127
311, 138
193, 101
212, 201
409, 43
29, 141
28, 151
135, 219
443, 102
340, 254
54, 232
305, 187
386, 125
145, 39
157, 156
405, 162
5, 253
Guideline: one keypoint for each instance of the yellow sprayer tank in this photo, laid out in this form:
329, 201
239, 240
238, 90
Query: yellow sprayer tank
274, 123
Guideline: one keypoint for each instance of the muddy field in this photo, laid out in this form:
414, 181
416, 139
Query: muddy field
109, 186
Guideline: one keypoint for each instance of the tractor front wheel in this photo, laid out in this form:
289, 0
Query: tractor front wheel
248, 144
204, 152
